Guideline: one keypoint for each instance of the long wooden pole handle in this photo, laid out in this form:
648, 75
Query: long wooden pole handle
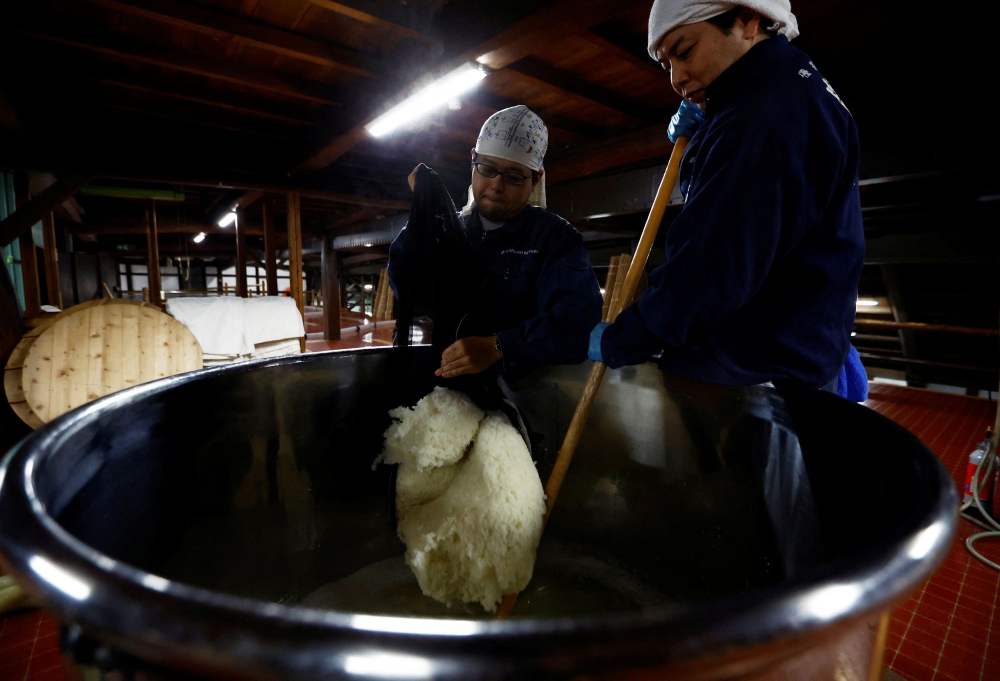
651, 228
628, 288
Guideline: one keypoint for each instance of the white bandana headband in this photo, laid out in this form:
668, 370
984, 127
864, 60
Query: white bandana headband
667, 15
518, 135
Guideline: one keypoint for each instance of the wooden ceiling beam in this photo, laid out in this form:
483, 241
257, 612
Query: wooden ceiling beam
205, 101
519, 41
646, 65
556, 20
568, 85
115, 227
116, 45
350, 218
370, 19
595, 157
312, 193
21, 220
243, 31
55, 63
131, 107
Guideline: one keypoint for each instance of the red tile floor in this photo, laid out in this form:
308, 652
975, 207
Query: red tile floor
944, 632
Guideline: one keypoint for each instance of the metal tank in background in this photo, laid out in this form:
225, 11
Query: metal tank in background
228, 523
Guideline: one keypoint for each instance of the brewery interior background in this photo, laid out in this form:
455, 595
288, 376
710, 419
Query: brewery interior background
130, 130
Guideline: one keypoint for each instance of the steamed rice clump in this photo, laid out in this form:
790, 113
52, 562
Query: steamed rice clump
471, 526
434, 433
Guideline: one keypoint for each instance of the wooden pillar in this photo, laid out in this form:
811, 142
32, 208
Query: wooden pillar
331, 291
295, 253
153, 255
270, 248
29, 274
241, 255
51, 255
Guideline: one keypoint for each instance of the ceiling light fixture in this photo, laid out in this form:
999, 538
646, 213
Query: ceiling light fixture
867, 302
199, 237
368, 287
435, 95
227, 219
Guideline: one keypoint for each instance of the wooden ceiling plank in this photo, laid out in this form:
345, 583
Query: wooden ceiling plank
646, 65
515, 43
243, 31
370, 19
570, 85
560, 18
118, 46
215, 103
160, 113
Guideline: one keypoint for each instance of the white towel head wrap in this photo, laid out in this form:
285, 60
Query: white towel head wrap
667, 15
518, 135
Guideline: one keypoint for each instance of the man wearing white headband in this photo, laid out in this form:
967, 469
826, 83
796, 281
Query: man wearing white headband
764, 259
541, 297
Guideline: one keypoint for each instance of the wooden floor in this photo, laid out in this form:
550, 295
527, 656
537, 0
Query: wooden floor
944, 632
351, 336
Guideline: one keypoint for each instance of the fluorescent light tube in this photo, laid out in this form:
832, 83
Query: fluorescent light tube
227, 219
435, 95
199, 238
867, 302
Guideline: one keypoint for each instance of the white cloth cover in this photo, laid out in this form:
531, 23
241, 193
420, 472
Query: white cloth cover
518, 135
228, 329
219, 324
272, 318
666, 15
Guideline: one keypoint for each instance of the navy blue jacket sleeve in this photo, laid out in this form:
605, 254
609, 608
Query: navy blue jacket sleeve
569, 306
754, 176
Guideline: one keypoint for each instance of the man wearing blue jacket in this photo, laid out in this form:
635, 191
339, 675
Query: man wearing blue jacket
764, 259
540, 297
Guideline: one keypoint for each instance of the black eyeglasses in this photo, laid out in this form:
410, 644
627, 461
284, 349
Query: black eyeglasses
509, 177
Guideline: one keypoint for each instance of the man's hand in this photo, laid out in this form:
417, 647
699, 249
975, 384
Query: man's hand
685, 122
469, 356
412, 179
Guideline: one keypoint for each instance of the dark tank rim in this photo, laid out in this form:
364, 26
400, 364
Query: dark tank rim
158, 620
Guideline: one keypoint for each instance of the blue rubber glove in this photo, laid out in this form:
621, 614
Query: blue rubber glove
686, 121
594, 351
853, 380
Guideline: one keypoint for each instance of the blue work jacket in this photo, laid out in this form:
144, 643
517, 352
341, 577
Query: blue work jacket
538, 293
764, 259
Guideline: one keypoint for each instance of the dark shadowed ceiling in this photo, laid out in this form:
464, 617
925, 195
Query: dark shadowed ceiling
234, 101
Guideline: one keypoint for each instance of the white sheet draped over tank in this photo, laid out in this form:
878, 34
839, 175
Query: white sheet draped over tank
237, 329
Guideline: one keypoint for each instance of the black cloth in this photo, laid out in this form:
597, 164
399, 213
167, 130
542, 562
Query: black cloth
537, 293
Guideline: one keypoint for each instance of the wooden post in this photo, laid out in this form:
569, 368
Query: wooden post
241, 256
270, 246
153, 255
295, 254
51, 261
331, 291
29, 273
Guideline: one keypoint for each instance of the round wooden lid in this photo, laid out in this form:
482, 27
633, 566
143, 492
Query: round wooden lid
94, 350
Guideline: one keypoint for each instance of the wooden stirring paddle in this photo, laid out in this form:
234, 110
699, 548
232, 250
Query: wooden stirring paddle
627, 292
